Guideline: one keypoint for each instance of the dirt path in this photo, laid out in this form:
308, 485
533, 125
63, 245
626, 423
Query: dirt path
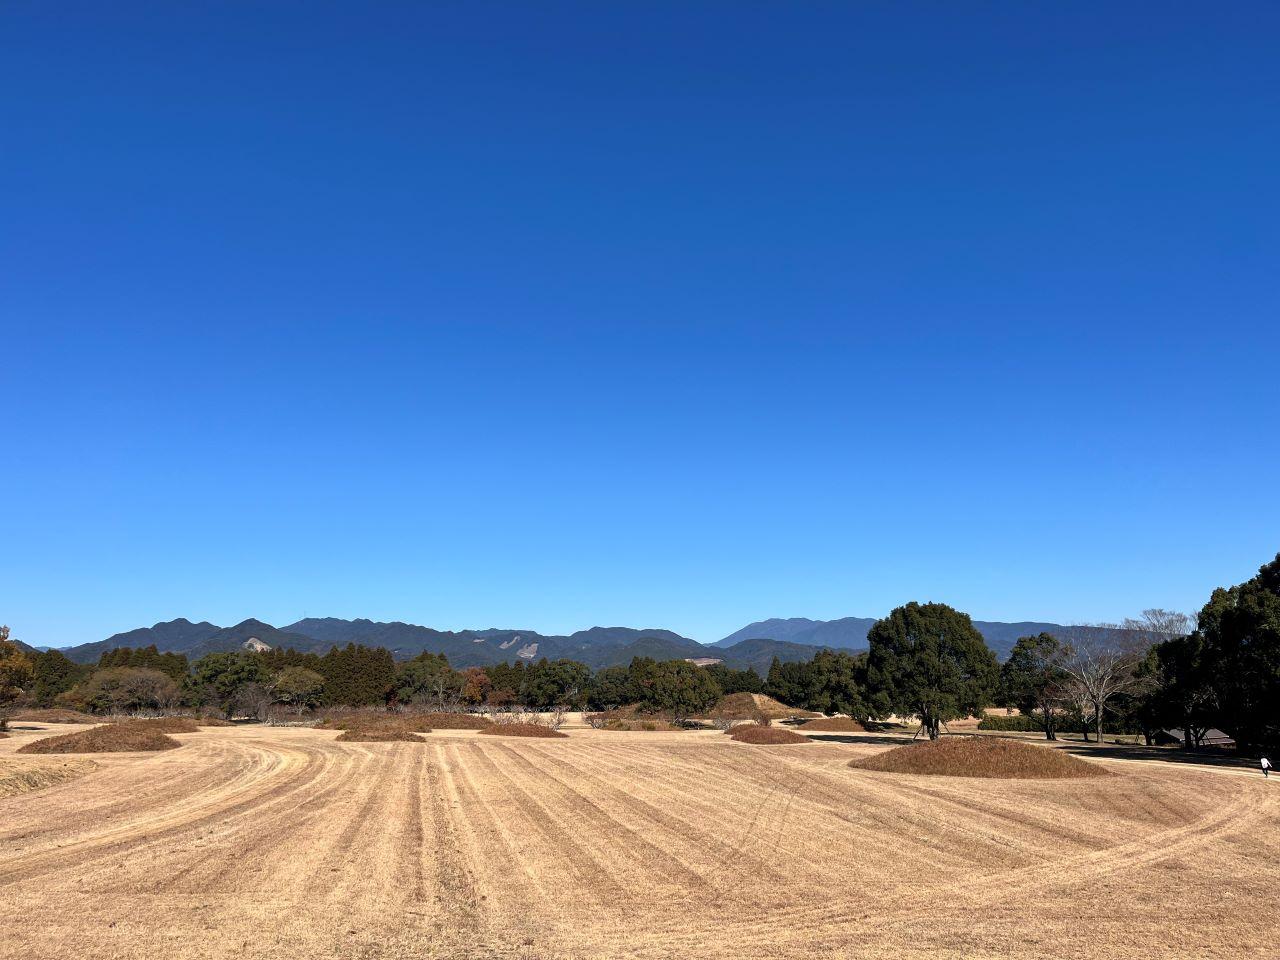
261, 842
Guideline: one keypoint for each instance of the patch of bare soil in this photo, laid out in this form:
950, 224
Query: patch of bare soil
523, 730
127, 736
989, 757
753, 733
833, 725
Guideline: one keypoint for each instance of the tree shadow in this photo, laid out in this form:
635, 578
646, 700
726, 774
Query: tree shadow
1175, 755
882, 739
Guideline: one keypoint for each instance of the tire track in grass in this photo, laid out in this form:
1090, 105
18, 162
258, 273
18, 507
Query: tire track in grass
514, 893
587, 870
146, 824
459, 917
653, 863
710, 847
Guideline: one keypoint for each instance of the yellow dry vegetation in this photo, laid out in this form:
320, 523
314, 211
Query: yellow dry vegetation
257, 842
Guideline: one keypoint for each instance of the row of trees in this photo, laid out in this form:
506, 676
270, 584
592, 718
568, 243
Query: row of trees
1221, 668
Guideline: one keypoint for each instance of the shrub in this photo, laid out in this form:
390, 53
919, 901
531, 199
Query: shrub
1022, 723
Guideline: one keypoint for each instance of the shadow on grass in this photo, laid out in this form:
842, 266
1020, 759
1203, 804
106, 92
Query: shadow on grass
883, 740
1209, 758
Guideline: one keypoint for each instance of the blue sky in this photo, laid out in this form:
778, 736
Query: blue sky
683, 315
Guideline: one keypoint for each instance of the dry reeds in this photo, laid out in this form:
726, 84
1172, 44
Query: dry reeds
987, 757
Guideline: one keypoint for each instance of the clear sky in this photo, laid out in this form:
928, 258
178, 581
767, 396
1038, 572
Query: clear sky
550, 315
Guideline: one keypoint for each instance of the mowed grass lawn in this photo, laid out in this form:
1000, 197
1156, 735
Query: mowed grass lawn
254, 842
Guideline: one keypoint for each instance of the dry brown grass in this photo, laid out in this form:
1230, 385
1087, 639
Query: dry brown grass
754, 733
163, 724
254, 842
833, 725
747, 706
410, 722
123, 737
54, 715
988, 757
376, 734
213, 722
523, 730
457, 721
637, 725
19, 775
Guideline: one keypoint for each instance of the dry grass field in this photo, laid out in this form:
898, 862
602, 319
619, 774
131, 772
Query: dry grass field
255, 842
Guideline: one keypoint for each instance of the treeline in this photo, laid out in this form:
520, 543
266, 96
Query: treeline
251, 683
1219, 669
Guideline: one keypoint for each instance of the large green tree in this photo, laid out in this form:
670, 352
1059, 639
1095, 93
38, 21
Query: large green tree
55, 674
678, 688
16, 673
1240, 631
929, 660
1033, 680
218, 678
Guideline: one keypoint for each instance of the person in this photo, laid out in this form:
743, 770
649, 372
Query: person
1266, 766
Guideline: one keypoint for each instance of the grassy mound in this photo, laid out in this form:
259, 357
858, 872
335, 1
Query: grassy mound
23, 776
522, 730
163, 724
54, 715
382, 734
748, 706
213, 722
989, 757
365, 720
128, 736
833, 725
457, 721
630, 724
751, 733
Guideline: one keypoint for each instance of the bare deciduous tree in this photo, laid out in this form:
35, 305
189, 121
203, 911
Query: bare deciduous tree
1102, 663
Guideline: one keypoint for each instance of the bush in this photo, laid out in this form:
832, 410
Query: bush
1023, 723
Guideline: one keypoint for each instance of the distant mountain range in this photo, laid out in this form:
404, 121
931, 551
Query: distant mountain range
597, 647
755, 645
850, 633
